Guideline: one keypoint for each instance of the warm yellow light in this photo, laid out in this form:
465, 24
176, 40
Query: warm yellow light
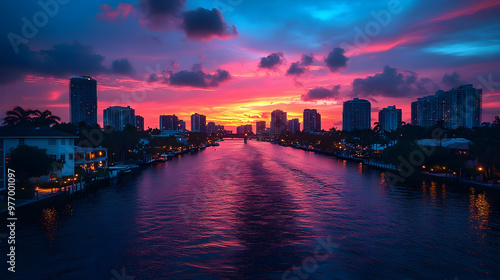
480, 169
423, 166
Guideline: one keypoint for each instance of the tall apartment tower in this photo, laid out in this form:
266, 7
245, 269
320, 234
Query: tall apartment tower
390, 118
118, 117
457, 107
356, 114
83, 99
311, 120
198, 122
260, 127
169, 122
278, 122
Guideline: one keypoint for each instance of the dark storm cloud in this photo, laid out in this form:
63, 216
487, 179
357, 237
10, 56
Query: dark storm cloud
336, 59
307, 59
202, 23
272, 61
320, 93
122, 66
160, 12
295, 69
299, 67
390, 83
454, 80
197, 77
63, 60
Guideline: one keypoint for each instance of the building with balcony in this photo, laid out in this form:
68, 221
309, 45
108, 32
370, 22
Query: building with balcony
90, 159
58, 145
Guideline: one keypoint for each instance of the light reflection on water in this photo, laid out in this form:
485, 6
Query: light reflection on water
255, 211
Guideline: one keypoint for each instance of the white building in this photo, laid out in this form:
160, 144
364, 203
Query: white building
59, 145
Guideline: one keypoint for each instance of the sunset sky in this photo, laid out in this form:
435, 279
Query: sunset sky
237, 60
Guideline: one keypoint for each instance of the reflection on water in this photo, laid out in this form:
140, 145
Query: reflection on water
255, 211
479, 210
49, 222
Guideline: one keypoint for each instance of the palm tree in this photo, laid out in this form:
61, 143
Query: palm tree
376, 127
18, 117
496, 122
45, 118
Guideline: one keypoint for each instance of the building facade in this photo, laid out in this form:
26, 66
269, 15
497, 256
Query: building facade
293, 125
198, 122
390, 118
59, 146
118, 117
139, 122
278, 122
356, 114
457, 107
311, 120
83, 100
211, 128
245, 129
260, 127
169, 122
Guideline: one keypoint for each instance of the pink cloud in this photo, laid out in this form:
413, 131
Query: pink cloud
111, 14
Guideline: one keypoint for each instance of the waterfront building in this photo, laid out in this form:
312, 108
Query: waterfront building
293, 125
139, 122
198, 122
390, 118
118, 117
260, 127
356, 114
311, 120
59, 146
457, 107
91, 159
181, 125
83, 100
169, 122
244, 129
211, 128
278, 122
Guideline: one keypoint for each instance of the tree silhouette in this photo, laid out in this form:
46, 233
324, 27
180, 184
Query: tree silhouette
18, 117
44, 118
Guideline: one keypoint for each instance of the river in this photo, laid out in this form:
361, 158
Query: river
262, 211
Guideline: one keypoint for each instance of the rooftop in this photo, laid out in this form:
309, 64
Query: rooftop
32, 132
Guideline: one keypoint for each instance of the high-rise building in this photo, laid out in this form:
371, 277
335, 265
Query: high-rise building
278, 122
356, 114
83, 99
118, 117
169, 122
390, 118
211, 128
260, 127
139, 122
414, 113
198, 122
456, 107
311, 120
245, 129
181, 125
293, 125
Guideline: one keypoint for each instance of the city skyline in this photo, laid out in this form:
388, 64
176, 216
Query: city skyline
239, 75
